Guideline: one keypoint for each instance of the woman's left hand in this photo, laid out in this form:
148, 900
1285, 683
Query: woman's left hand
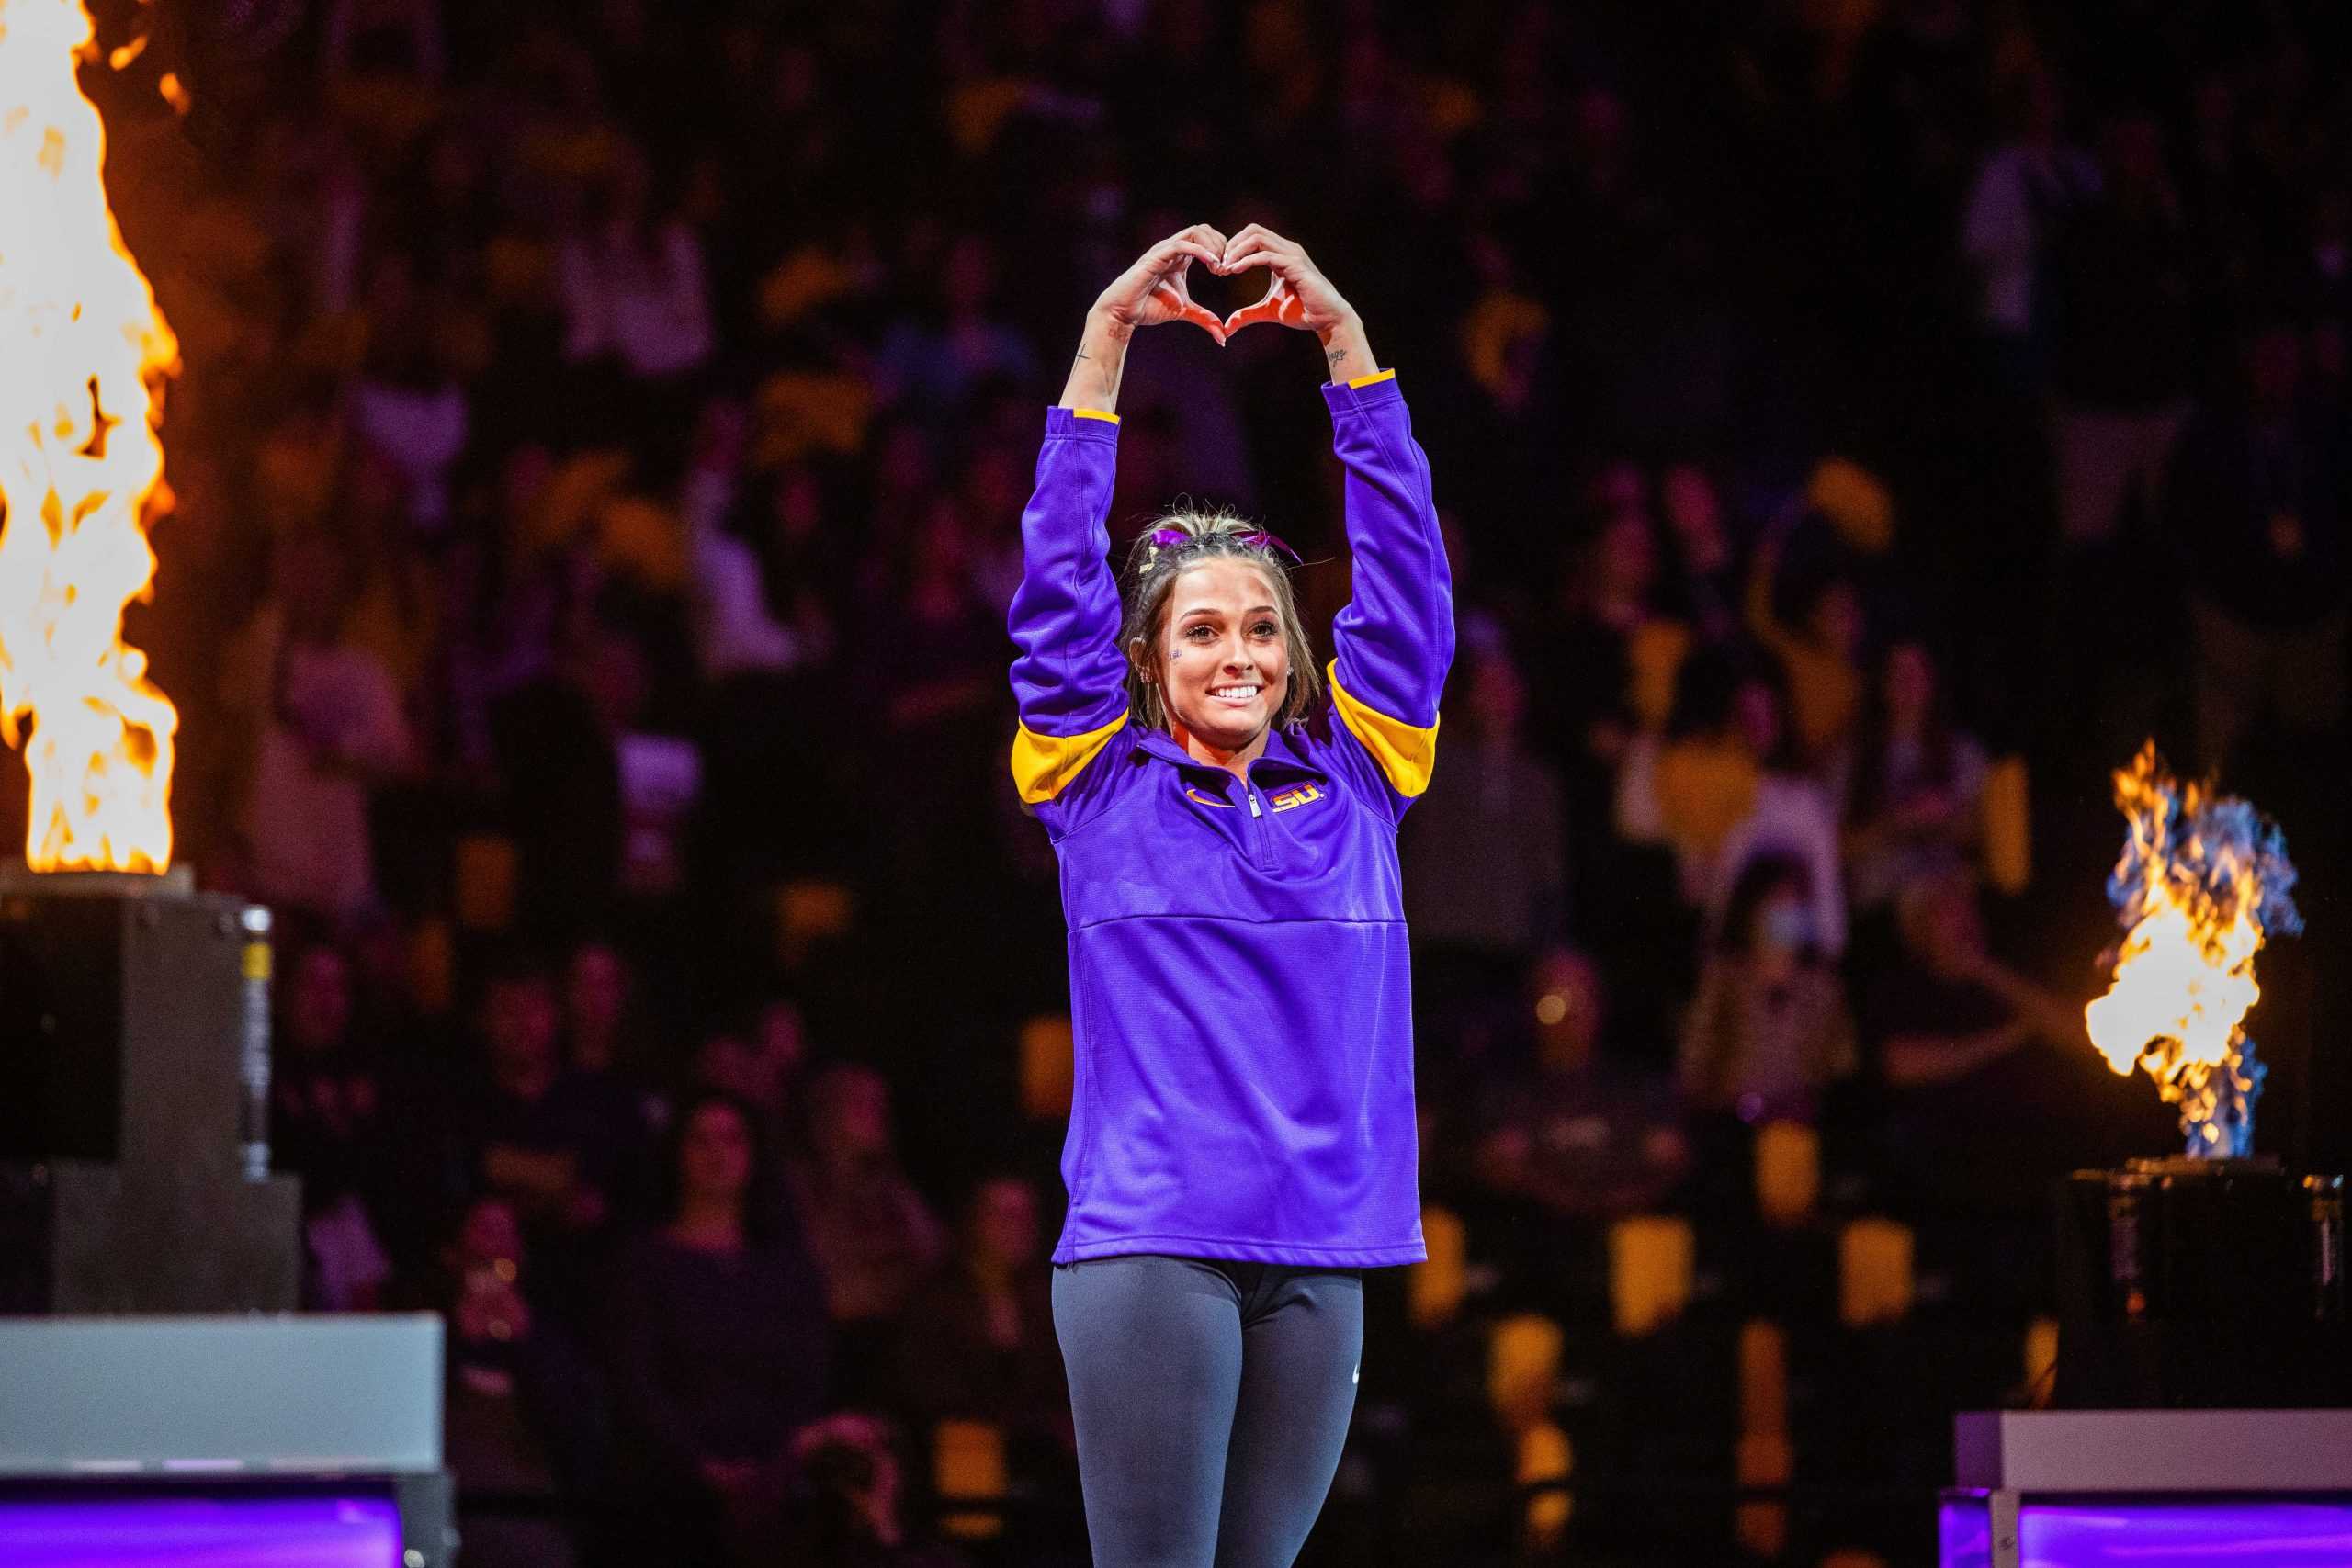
1299, 295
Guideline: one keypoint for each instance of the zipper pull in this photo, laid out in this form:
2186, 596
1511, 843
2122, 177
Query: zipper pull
1253, 800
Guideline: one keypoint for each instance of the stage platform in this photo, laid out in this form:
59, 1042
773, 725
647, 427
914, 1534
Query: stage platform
2149, 1488
163, 1443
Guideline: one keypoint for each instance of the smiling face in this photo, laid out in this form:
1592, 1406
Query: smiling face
1223, 665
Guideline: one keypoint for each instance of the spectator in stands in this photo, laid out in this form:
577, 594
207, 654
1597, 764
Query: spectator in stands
605, 1051
871, 1235
2119, 269
855, 1515
601, 1026
1914, 784
2024, 187
523, 1416
763, 1060
992, 488
806, 564
736, 633
1721, 787
1953, 1010
1581, 1131
533, 1135
332, 1124
1992, 1088
721, 1347
2257, 513
636, 300
933, 362
1483, 852
1769, 1032
408, 404
1509, 359
938, 671
1705, 585
421, 999
326, 719
759, 1059
557, 740
1822, 657
1579, 662
1584, 661
977, 1342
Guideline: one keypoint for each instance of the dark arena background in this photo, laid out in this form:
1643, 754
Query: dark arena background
596, 464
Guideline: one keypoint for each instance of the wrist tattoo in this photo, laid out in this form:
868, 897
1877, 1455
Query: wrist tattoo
1336, 355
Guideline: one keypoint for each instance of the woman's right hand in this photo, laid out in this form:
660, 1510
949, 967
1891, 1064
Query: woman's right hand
1153, 291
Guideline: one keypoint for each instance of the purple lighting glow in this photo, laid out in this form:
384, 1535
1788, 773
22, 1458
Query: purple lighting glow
201, 1532
2282, 1533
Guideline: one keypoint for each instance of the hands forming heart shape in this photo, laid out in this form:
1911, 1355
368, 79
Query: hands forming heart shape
1156, 288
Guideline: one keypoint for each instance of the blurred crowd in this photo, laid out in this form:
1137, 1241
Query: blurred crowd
1858, 423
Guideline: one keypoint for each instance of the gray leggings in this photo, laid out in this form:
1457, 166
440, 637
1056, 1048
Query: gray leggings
1210, 1398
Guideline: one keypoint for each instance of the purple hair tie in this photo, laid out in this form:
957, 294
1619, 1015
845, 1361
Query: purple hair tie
1168, 538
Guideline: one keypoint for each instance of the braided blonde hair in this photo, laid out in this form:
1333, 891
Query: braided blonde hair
1152, 570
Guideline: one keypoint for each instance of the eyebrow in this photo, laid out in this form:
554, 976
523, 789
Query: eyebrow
1211, 610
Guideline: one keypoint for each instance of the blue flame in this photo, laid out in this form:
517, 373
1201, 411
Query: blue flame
2200, 844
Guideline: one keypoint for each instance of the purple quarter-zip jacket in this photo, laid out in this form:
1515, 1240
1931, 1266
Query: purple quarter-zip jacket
1239, 977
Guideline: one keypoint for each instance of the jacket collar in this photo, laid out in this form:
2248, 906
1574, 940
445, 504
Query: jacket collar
1281, 757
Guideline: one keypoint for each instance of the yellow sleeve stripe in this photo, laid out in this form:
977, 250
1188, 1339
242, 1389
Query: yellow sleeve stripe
1405, 752
1044, 765
1375, 376
1093, 414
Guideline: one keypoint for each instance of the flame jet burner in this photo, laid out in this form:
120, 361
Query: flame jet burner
134, 1099
2201, 1285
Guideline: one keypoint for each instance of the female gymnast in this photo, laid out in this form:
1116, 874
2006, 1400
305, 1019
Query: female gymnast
1241, 1138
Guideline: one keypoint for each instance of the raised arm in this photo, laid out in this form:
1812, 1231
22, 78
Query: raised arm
1070, 678
1394, 639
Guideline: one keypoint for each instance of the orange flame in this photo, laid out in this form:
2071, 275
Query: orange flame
84, 353
2184, 972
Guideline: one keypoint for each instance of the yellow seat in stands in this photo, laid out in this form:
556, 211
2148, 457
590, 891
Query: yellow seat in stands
1545, 1454
1048, 1069
432, 967
2007, 813
1788, 1172
1522, 1369
485, 876
1433, 1290
1873, 1273
1763, 1380
2041, 1360
1764, 1456
968, 1465
809, 912
1651, 1259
